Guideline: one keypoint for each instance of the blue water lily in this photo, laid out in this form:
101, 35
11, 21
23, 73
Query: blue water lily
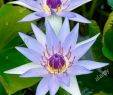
56, 58
46, 8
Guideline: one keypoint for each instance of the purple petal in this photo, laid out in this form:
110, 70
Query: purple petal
42, 14
22, 69
71, 39
74, 17
42, 88
66, 14
31, 4
32, 43
78, 70
65, 4
80, 18
76, 3
65, 79
35, 72
64, 31
53, 85
82, 47
30, 54
51, 37
30, 17
40, 36
90, 65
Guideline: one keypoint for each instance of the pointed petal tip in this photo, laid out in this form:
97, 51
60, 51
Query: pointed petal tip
13, 2
101, 66
87, 72
107, 64
7, 72
91, 65
66, 19
17, 48
21, 76
22, 20
104, 65
96, 36
47, 22
33, 26
90, 72
77, 24
20, 34
88, 21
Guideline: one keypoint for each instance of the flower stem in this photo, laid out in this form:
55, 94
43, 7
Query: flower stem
93, 7
84, 10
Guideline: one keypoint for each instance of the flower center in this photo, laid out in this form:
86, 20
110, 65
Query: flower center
54, 4
56, 61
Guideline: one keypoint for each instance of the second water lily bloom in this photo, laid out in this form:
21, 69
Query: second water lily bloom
46, 8
56, 59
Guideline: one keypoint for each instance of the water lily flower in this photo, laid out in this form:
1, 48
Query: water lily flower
46, 8
56, 58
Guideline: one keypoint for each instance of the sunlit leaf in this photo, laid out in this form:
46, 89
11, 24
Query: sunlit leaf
9, 25
108, 38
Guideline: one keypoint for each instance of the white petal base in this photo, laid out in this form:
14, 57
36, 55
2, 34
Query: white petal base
73, 89
56, 23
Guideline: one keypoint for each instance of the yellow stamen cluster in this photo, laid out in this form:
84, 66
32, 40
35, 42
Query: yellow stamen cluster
63, 69
47, 9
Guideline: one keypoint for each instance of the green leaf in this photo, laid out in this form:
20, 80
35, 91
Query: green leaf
89, 85
13, 83
61, 91
97, 46
9, 38
108, 38
108, 23
102, 93
108, 44
10, 59
110, 3
9, 25
2, 90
